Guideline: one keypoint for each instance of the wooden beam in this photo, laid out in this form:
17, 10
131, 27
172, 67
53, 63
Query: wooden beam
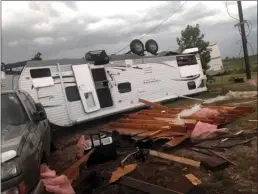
169, 134
128, 131
152, 104
161, 111
175, 158
160, 115
138, 121
141, 117
173, 120
176, 141
139, 126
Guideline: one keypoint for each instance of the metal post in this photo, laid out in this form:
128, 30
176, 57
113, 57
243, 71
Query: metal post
244, 40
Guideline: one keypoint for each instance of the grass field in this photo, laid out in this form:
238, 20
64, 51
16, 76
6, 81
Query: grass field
234, 68
236, 64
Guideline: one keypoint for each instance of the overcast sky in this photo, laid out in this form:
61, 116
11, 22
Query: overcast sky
70, 29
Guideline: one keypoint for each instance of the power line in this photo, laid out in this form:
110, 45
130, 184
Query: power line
251, 47
150, 31
229, 13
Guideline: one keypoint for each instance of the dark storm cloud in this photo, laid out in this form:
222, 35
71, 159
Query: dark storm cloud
74, 37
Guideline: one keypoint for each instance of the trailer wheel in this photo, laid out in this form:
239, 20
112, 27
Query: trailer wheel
137, 47
151, 46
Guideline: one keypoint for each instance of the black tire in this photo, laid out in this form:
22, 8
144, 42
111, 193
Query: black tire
152, 46
52, 141
44, 158
137, 47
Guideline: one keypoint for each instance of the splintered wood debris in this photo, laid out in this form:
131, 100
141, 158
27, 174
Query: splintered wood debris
162, 122
121, 171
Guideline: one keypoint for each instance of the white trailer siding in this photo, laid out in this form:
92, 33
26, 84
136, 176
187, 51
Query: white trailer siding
216, 65
55, 106
154, 79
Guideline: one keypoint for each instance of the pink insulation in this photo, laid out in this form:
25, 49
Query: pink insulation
206, 112
205, 130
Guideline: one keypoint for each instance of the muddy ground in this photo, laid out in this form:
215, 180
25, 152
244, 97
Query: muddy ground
241, 178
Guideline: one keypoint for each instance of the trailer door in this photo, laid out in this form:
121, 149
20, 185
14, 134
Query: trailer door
86, 88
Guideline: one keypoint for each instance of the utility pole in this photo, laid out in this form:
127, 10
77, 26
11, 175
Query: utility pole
244, 40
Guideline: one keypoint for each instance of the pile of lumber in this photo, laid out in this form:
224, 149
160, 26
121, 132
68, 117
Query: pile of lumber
161, 122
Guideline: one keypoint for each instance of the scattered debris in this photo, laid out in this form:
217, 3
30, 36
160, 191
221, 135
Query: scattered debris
214, 163
82, 145
201, 151
252, 120
121, 171
193, 179
232, 96
176, 141
182, 186
234, 142
190, 112
72, 172
221, 156
199, 123
175, 158
139, 154
242, 103
251, 82
206, 112
205, 130
226, 139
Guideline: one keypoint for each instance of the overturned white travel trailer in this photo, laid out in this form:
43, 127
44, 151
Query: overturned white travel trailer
78, 90
215, 65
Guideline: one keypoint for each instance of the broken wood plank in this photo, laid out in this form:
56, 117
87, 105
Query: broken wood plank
141, 117
169, 134
148, 135
175, 158
73, 172
152, 104
128, 131
173, 120
221, 156
121, 171
161, 111
139, 126
144, 121
159, 115
194, 180
214, 163
146, 187
201, 151
176, 141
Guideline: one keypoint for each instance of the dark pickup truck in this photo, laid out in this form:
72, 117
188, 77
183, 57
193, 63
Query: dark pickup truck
26, 143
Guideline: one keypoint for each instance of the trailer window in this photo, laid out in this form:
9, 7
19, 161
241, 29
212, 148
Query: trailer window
72, 93
124, 87
40, 73
186, 60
